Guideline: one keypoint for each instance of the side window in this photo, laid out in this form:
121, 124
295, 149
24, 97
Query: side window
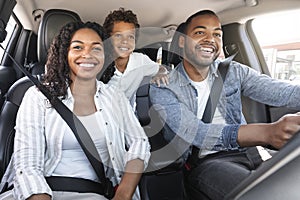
279, 37
9, 29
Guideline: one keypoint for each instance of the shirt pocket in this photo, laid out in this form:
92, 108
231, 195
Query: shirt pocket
233, 106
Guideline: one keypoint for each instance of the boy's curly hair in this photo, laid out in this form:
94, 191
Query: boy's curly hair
120, 15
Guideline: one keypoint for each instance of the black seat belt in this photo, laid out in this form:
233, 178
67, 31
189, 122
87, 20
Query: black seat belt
79, 131
213, 100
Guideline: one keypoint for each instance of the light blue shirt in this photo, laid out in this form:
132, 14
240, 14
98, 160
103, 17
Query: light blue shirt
177, 105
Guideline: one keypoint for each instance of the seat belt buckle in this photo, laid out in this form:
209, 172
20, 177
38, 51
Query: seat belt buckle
109, 189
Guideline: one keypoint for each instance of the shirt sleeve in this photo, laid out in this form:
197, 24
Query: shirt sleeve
264, 89
150, 68
29, 147
136, 139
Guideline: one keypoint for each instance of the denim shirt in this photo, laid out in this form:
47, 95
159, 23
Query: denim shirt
177, 106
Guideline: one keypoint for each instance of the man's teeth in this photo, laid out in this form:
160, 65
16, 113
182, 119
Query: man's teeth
86, 65
209, 50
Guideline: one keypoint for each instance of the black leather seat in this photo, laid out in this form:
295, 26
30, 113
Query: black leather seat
175, 54
7, 120
163, 179
51, 23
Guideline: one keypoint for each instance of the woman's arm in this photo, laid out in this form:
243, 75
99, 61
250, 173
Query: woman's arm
130, 180
39, 197
29, 147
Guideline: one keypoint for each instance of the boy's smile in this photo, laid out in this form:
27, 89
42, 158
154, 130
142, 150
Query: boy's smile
123, 38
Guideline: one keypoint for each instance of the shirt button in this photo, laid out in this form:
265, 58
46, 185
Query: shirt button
110, 143
106, 123
113, 158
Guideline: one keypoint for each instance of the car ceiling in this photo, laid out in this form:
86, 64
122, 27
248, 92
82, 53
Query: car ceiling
159, 16
150, 13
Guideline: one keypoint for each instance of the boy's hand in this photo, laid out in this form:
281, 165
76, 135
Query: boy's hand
161, 76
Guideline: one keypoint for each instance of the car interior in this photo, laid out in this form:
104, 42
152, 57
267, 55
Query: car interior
38, 21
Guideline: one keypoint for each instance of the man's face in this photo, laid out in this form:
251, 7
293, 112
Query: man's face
203, 41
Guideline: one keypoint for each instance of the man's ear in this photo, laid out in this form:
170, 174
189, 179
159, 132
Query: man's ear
181, 41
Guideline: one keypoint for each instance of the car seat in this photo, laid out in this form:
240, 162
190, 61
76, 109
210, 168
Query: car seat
163, 178
174, 53
51, 22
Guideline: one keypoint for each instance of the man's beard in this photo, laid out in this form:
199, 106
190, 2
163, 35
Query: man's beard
197, 62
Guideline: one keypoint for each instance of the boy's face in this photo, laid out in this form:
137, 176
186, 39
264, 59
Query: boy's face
123, 38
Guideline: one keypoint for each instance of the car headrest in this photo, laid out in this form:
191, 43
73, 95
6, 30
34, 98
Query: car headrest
175, 54
50, 25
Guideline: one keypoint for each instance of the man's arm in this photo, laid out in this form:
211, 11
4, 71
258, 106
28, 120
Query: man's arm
275, 134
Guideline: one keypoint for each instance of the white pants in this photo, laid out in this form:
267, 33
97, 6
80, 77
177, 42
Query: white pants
61, 196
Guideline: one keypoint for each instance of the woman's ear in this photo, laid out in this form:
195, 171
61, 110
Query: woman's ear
181, 41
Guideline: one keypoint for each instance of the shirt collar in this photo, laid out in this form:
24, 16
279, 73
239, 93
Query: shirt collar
99, 86
183, 77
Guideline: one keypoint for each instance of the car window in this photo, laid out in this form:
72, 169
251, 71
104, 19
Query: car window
279, 37
9, 29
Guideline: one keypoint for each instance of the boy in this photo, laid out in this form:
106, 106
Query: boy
130, 67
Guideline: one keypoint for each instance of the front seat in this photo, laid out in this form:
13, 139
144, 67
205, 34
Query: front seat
50, 25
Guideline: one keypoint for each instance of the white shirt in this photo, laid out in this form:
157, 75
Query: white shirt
203, 91
73, 153
139, 66
40, 131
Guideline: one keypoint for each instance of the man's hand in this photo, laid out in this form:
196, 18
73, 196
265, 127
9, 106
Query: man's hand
284, 129
275, 134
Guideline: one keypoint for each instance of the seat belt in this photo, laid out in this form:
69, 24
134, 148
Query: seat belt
79, 131
213, 100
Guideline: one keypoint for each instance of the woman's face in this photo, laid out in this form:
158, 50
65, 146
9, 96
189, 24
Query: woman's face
86, 54
123, 38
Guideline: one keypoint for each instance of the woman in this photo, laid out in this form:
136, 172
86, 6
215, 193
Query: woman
45, 146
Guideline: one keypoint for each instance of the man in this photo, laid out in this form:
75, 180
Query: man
223, 161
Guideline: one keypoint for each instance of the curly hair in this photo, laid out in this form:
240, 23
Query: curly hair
120, 15
57, 78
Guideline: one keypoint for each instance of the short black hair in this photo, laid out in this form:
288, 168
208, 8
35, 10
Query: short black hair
199, 13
